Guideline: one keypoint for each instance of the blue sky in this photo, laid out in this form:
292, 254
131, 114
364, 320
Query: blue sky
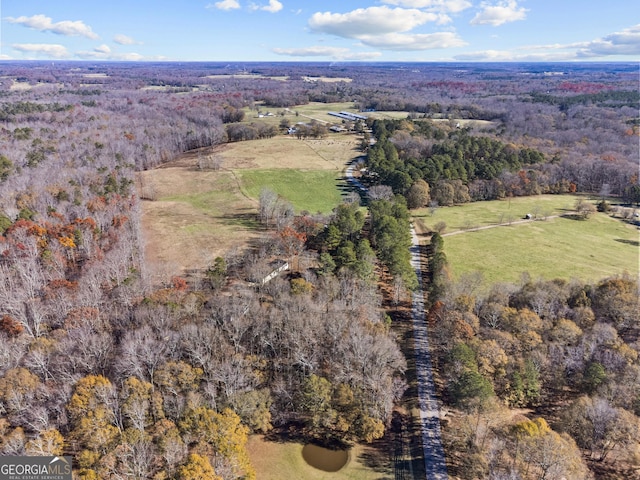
329, 30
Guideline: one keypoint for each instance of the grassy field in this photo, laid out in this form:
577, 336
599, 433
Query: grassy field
320, 111
556, 248
477, 214
300, 113
198, 215
313, 191
285, 151
277, 461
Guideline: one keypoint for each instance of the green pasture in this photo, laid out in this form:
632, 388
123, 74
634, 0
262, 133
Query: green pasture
212, 201
283, 460
299, 113
560, 247
478, 214
314, 191
318, 107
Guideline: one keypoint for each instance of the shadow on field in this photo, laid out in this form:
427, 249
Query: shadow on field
573, 216
380, 459
247, 220
635, 243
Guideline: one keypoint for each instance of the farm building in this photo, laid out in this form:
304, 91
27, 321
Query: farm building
348, 116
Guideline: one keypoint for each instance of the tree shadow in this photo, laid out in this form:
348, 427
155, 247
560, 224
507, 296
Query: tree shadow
391, 456
635, 243
293, 432
374, 456
573, 216
247, 220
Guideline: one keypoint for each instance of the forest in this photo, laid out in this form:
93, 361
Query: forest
140, 379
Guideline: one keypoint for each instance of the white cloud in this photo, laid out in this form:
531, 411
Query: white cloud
626, 42
511, 56
453, 6
103, 49
370, 21
132, 57
385, 28
43, 23
124, 40
273, 7
102, 53
503, 12
225, 5
623, 43
42, 49
336, 53
406, 42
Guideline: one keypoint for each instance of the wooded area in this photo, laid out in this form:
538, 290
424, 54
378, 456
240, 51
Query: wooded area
145, 380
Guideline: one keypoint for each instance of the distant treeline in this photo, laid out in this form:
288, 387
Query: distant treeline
615, 98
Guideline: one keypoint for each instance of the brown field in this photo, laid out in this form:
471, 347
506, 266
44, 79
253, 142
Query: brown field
199, 215
282, 78
285, 151
328, 79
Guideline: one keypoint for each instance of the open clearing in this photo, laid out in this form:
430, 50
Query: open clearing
282, 78
286, 151
301, 113
313, 191
561, 247
320, 112
277, 461
478, 214
201, 214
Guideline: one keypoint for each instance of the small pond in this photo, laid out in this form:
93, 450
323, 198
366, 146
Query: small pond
325, 459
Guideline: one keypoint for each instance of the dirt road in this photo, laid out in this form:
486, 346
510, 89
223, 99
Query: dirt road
434, 458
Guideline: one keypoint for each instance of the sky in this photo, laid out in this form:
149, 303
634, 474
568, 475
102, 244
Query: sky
321, 30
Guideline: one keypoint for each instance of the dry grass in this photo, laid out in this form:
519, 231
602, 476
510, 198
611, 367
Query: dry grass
199, 215
282, 78
283, 460
328, 79
285, 151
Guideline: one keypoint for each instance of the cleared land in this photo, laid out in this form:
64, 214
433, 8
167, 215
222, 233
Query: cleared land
320, 111
313, 191
285, 151
198, 215
282, 78
301, 113
277, 461
561, 247
478, 214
